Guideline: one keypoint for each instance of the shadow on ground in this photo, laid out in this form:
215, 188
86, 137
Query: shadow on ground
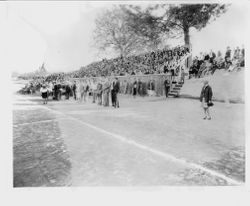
40, 156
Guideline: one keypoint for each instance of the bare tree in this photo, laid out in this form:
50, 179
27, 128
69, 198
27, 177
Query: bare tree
113, 32
146, 25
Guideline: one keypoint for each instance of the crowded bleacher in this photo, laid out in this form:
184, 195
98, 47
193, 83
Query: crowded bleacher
155, 62
207, 63
149, 63
160, 62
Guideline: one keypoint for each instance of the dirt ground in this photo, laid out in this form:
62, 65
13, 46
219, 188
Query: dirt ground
148, 141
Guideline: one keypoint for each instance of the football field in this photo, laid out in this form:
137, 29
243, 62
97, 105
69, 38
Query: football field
151, 141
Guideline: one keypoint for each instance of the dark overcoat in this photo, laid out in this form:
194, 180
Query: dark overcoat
206, 93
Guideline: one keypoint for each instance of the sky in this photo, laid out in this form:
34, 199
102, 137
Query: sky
60, 34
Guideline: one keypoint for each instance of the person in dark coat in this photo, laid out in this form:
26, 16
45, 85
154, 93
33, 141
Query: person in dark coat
140, 87
206, 98
67, 91
74, 90
85, 91
166, 86
115, 91
59, 94
55, 91
134, 88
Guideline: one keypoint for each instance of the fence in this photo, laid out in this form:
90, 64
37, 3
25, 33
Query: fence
126, 82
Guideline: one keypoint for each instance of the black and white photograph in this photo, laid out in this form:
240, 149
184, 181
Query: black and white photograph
127, 93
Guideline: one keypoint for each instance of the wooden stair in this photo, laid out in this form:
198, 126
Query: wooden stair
175, 91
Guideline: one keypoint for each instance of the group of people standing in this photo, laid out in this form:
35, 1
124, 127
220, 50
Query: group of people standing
101, 91
55, 90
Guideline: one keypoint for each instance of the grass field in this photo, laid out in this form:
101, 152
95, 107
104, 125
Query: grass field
148, 141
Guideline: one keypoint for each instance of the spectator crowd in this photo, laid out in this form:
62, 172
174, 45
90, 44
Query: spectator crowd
208, 63
98, 78
156, 62
163, 61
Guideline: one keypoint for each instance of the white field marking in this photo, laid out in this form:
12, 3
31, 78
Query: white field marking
111, 113
37, 122
154, 151
27, 107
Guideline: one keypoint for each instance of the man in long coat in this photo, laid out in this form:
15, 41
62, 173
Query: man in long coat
206, 99
114, 93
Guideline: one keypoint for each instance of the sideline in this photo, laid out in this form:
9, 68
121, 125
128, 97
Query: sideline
37, 122
151, 150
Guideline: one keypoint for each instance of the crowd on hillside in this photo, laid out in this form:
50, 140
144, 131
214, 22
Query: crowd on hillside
156, 62
208, 63
98, 78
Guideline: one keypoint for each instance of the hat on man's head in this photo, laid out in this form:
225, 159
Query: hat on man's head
205, 81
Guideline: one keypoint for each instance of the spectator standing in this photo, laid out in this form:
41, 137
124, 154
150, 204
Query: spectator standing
59, 94
85, 90
166, 86
56, 91
74, 90
44, 93
206, 99
94, 90
228, 57
78, 91
81, 90
67, 91
140, 87
151, 88
50, 88
99, 93
116, 89
135, 88
106, 92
